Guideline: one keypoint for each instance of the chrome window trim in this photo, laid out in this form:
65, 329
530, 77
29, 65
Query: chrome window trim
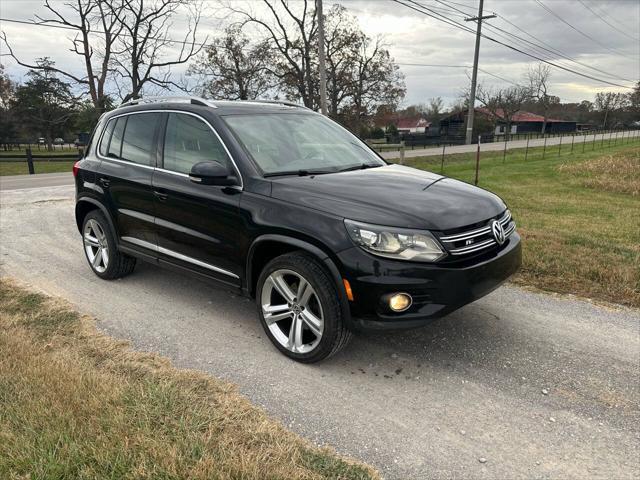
126, 162
179, 256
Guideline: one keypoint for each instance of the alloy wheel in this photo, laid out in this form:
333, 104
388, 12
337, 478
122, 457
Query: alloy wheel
96, 246
292, 311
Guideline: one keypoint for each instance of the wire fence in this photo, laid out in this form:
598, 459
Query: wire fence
524, 150
421, 141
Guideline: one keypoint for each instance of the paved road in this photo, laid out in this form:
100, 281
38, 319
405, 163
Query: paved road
422, 404
39, 180
499, 146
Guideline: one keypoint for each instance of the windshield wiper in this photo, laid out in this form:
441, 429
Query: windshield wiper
361, 166
300, 173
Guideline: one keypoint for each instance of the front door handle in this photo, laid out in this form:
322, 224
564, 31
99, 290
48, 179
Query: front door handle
160, 195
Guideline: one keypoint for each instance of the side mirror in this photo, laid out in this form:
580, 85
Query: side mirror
211, 173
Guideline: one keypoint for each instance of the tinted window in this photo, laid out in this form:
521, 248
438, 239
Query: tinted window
137, 145
115, 144
189, 140
104, 143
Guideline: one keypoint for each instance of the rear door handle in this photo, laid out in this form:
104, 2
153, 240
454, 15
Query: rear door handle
105, 182
160, 195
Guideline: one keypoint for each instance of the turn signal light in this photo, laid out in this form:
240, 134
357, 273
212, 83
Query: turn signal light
347, 289
399, 302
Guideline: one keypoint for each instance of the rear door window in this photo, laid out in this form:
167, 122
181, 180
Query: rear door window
138, 144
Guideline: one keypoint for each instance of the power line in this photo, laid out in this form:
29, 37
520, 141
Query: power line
556, 51
539, 2
431, 65
605, 21
529, 43
451, 22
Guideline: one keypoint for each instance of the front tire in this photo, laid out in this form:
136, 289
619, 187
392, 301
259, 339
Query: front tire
299, 308
101, 250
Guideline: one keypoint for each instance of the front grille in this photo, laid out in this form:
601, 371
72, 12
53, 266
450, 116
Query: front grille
478, 239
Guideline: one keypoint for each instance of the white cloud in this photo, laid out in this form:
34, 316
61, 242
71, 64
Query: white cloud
416, 38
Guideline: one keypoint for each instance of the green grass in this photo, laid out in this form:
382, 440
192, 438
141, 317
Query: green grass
21, 168
578, 214
75, 404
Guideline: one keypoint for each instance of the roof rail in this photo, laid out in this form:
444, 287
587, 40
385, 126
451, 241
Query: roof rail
285, 103
192, 100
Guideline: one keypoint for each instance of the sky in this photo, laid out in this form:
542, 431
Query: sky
603, 34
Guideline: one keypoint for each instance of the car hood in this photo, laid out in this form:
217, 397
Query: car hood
392, 195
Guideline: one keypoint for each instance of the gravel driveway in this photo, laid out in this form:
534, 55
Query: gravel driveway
516, 385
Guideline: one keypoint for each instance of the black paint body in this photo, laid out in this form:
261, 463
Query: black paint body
194, 227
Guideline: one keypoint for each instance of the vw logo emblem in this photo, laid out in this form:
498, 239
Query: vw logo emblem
498, 232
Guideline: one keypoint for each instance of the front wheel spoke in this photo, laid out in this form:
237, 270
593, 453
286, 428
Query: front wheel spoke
275, 313
97, 259
295, 334
313, 322
304, 292
282, 288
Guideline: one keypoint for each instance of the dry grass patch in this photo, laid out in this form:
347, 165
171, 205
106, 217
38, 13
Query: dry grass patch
577, 213
77, 404
613, 173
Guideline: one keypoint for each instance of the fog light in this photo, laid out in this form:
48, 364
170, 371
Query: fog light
399, 302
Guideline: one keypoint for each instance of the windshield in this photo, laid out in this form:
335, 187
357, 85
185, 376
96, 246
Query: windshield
282, 143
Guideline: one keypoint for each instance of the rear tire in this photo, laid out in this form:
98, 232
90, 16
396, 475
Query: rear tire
299, 308
101, 250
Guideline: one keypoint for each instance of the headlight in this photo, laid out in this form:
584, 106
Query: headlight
397, 243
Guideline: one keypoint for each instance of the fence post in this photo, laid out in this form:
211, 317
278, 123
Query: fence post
402, 152
544, 150
30, 161
602, 140
477, 161
444, 145
594, 140
526, 151
573, 140
560, 147
610, 134
504, 152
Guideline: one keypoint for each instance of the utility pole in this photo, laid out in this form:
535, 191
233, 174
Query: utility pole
321, 60
474, 76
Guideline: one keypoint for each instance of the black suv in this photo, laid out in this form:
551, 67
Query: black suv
279, 203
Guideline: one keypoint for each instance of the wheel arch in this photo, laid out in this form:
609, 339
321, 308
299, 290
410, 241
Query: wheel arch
84, 205
268, 246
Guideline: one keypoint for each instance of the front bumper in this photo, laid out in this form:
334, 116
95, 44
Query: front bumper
436, 289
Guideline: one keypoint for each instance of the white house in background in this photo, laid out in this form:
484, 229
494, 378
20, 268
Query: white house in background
413, 125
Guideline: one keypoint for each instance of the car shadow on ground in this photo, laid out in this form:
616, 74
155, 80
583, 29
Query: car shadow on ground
472, 334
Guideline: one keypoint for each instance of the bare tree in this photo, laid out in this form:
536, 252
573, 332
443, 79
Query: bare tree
377, 79
142, 48
434, 109
233, 68
503, 103
608, 103
538, 77
292, 35
97, 31
343, 39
